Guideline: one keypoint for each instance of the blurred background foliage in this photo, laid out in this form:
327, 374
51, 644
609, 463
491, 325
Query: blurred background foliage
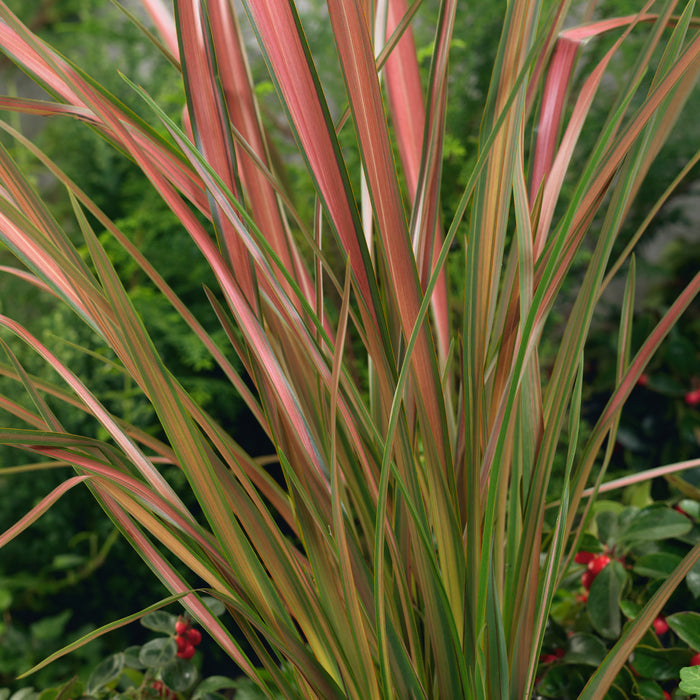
69, 572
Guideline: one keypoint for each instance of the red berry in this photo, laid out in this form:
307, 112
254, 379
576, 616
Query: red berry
194, 636
559, 653
181, 626
587, 579
692, 398
582, 597
643, 380
598, 564
547, 658
163, 690
187, 652
584, 557
667, 695
181, 642
660, 625
695, 661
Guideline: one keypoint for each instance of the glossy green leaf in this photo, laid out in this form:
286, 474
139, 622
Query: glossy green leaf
131, 657
690, 679
654, 523
215, 606
561, 682
107, 671
687, 626
179, 675
607, 525
158, 652
604, 600
659, 664
630, 609
656, 565
160, 621
649, 690
585, 649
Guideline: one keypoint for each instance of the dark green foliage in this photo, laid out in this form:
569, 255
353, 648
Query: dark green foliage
643, 545
148, 671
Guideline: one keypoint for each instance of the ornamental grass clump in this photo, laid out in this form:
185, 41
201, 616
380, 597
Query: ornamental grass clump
404, 553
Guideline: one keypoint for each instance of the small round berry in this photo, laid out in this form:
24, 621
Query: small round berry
187, 652
584, 557
692, 398
596, 565
163, 690
660, 625
194, 637
181, 626
181, 642
695, 661
547, 658
587, 579
667, 695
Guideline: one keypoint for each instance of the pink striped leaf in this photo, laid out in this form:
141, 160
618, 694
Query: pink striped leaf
553, 102
134, 454
409, 115
359, 67
209, 122
241, 108
39, 509
277, 27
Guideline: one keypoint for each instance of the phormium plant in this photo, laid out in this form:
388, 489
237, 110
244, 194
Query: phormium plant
406, 553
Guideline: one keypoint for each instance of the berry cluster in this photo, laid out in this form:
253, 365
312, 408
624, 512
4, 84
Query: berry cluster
186, 638
595, 563
549, 658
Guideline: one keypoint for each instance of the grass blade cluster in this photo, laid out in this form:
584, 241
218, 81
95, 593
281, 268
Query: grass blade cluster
402, 552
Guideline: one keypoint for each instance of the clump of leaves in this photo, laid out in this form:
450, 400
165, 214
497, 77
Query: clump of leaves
630, 550
154, 670
402, 550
